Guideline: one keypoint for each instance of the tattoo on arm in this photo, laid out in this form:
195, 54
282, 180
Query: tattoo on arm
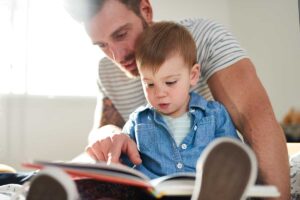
110, 115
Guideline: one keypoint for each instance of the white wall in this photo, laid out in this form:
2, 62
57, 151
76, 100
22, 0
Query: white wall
178, 9
56, 128
270, 32
52, 128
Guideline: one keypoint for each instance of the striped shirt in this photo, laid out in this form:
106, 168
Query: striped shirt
216, 49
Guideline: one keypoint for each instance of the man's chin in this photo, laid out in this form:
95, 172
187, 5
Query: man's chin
131, 74
134, 74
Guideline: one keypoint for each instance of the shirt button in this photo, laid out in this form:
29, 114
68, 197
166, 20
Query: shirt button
183, 146
179, 165
195, 127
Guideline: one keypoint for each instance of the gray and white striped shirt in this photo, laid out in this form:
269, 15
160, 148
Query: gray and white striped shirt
216, 49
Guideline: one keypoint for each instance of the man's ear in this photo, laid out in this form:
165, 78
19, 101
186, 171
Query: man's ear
146, 11
195, 74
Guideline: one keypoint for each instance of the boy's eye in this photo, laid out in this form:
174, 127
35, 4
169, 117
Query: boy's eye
149, 85
171, 82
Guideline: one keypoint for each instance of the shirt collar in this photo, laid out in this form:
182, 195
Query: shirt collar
197, 101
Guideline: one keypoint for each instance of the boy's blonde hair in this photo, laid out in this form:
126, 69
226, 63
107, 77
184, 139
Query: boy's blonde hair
162, 40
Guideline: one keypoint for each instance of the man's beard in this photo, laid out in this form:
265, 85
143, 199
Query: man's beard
130, 74
134, 73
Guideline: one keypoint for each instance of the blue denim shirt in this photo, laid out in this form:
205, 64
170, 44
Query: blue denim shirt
158, 150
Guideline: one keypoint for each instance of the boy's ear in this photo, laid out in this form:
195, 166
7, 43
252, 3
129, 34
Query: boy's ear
146, 11
195, 74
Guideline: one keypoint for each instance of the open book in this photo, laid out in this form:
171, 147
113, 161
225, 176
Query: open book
181, 184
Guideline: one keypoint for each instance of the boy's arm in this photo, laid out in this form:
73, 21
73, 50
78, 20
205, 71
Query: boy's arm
239, 89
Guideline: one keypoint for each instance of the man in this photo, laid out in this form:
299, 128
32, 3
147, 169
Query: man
114, 26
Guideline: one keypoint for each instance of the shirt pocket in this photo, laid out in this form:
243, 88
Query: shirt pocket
146, 137
204, 131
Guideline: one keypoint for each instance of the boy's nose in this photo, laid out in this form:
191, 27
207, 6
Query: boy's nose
160, 92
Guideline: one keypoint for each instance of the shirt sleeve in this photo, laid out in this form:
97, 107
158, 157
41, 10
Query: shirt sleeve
101, 89
217, 48
129, 128
225, 126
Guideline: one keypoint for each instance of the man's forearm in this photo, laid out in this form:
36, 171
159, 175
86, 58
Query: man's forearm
256, 121
262, 132
110, 114
109, 123
270, 147
253, 116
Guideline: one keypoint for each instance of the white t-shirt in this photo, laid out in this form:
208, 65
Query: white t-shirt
179, 127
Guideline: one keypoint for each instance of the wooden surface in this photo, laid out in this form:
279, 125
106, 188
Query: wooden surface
293, 148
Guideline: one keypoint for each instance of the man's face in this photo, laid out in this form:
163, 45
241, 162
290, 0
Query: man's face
115, 30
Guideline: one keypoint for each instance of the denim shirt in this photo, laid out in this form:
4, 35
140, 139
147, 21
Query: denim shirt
158, 150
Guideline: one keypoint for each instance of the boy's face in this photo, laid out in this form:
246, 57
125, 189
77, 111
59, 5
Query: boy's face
115, 29
167, 90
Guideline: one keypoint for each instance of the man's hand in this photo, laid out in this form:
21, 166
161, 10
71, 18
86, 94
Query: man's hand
111, 144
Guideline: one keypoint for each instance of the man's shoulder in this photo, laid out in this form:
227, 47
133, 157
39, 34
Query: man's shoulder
197, 22
106, 62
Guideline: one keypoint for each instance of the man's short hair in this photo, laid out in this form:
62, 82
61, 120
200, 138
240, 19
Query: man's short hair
84, 10
164, 39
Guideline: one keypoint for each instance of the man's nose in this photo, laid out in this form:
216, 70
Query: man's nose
117, 53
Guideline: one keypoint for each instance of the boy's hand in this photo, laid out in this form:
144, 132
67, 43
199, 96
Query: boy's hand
110, 147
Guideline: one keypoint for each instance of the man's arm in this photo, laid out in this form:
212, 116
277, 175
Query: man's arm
105, 141
242, 93
105, 114
110, 115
